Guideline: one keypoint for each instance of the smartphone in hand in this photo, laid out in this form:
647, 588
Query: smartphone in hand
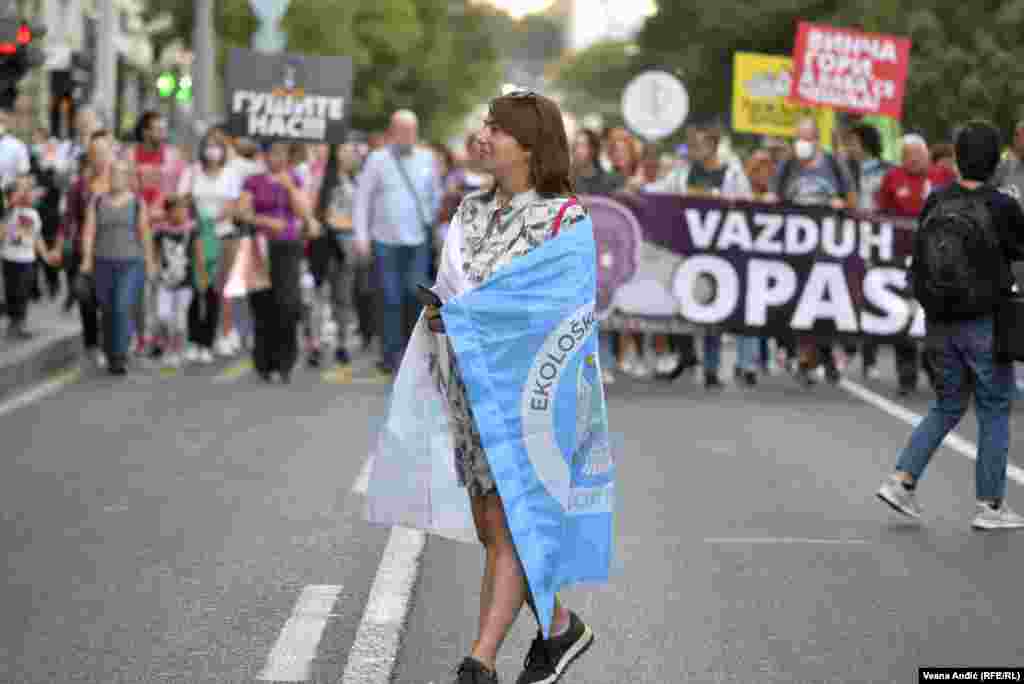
427, 297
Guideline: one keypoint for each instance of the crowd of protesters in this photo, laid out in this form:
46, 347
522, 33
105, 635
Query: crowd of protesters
853, 175
149, 234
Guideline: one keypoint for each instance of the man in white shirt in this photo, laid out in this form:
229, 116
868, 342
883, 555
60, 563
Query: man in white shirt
14, 157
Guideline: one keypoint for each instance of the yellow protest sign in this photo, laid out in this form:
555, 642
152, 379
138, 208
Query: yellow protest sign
760, 101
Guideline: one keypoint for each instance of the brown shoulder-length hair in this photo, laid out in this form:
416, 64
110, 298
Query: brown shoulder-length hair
536, 124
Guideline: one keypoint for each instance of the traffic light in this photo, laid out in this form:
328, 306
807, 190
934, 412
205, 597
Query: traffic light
170, 84
20, 51
166, 84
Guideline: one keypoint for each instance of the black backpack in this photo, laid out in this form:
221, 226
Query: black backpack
956, 250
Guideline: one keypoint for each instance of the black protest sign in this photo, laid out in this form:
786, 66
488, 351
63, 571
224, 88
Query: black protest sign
286, 97
760, 269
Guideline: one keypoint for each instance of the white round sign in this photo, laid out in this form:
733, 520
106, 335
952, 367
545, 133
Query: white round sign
655, 104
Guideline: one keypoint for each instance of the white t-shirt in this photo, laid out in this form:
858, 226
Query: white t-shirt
21, 231
14, 159
212, 193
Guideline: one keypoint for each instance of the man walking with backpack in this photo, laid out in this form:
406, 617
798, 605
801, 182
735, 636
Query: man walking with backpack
967, 236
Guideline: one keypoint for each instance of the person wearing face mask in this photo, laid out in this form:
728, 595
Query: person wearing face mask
396, 204
813, 178
213, 188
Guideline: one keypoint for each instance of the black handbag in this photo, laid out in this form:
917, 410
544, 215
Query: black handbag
1009, 328
84, 287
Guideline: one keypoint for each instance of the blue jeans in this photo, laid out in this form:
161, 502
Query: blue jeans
964, 353
712, 353
748, 352
118, 284
400, 268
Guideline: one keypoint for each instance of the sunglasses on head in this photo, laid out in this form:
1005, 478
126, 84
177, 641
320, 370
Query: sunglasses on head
533, 98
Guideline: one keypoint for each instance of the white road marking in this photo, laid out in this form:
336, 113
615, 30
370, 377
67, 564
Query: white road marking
290, 659
375, 650
954, 441
363, 481
40, 391
781, 540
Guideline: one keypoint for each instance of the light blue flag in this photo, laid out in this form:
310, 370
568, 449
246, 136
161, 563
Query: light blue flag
527, 350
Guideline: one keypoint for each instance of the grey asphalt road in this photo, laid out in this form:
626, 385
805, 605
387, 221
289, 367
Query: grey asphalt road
160, 529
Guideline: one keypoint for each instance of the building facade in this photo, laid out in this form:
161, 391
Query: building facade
52, 94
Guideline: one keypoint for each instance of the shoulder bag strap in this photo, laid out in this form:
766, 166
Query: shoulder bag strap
412, 189
561, 212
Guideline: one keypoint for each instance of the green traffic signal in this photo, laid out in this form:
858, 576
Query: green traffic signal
166, 84
184, 93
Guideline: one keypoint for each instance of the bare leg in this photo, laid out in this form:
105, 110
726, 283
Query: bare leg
500, 607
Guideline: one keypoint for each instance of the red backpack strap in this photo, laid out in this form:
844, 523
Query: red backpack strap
561, 212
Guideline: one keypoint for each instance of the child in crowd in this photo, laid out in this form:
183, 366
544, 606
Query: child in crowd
22, 240
176, 246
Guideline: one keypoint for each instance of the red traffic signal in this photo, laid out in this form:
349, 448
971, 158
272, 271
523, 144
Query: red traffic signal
24, 34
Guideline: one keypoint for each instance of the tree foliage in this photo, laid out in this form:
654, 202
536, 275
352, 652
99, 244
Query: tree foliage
436, 57
966, 58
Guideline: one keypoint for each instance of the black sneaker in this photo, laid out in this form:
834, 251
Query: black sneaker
548, 660
472, 671
833, 375
342, 357
750, 377
805, 376
314, 359
711, 381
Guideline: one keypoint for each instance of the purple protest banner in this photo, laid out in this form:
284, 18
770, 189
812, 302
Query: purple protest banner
751, 267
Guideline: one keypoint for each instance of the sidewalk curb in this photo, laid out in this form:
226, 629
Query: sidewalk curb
37, 361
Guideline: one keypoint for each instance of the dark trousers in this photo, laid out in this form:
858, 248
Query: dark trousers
276, 312
203, 316
87, 309
18, 289
365, 298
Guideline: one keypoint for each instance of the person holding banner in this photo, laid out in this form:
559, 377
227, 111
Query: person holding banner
813, 178
710, 175
512, 314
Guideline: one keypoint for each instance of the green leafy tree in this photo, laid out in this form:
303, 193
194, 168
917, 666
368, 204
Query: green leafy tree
432, 56
593, 79
966, 58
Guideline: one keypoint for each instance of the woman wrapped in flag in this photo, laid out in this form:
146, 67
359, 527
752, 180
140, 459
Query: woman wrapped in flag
499, 396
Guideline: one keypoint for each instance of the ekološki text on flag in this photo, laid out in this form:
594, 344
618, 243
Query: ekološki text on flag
669, 263
526, 344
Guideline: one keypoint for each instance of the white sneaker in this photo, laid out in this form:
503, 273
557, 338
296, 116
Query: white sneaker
100, 359
666, 363
899, 497
172, 360
192, 353
1001, 518
224, 348
607, 377
205, 357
